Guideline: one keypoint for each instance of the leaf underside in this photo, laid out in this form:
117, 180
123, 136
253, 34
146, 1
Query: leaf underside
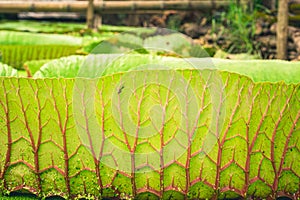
256, 153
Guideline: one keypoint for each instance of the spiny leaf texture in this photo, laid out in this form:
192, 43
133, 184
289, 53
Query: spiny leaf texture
50, 148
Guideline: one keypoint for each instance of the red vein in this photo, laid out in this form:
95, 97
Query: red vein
221, 143
255, 138
247, 165
275, 185
9, 137
36, 158
276, 179
35, 147
99, 180
161, 133
96, 161
188, 158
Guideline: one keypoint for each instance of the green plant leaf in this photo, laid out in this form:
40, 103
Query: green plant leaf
19, 47
91, 41
257, 70
17, 55
168, 44
41, 26
65, 27
109, 28
7, 71
66, 67
33, 66
70, 67
25, 38
260, 70
255, 154
174, 42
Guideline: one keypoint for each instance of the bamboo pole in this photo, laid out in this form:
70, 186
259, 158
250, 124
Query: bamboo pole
98, 17
106, 6
90, 14
97, 20
282, 29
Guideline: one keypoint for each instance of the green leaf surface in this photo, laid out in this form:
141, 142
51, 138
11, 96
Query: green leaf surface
257, 70
22, 73
109, 28
19, 47
53, 146
62, 27
175, 42
7, 71
91, 41
41, 26
17, 55
25, 38
260, 70
67, 67
33, 66
160, 41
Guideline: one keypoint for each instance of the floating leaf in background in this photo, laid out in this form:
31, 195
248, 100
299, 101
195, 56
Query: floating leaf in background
170, 43
33, 66
109, 28
257, 70
7, 71
25, 38
17, 47
62, 45
41, 27
119, 44
174, 42
66, 67
262, 70
91, 41
17, 55
65, 27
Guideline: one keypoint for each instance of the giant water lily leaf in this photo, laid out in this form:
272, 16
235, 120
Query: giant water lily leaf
33, 66
63, 67
17, 55
24, 38
75, 66
161, 41
257, 70
175, 42
172, 133
7, 71
41, 27
19, 47
110, 28
91, 41
105, 64
57, 27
